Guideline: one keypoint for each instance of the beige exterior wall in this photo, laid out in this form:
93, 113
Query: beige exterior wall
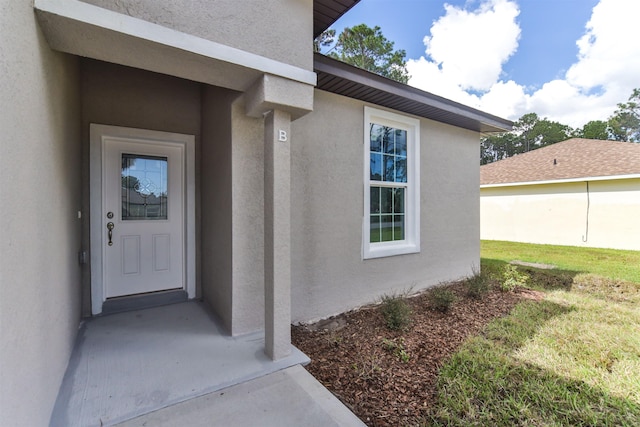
328, 273
557, 214
232, 211
276, 29
40, 192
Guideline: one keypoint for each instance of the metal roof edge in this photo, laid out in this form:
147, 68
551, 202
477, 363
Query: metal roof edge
337, 10
347, 72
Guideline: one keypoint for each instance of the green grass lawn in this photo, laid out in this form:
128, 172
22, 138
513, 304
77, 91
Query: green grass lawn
611, 263
572, 359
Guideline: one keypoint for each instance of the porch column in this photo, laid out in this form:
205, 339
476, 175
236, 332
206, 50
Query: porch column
277, 232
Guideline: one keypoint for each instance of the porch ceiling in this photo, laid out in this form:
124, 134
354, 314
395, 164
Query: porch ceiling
326, 12
86, 30
344, 79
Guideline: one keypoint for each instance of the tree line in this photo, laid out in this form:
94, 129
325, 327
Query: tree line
531, 132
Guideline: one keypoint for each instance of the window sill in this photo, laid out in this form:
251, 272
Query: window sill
382, 250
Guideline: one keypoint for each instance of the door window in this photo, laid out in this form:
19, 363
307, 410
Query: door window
144, 187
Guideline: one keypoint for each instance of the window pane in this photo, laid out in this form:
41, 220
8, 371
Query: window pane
386, 200
144, 187
375, 229
398, 227
401, 142
398, 200
386, 228
401, 169
389, 169
388, 140
375, 200
376, 138
376, 167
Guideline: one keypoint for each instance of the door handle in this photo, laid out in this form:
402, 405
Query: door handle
110, 232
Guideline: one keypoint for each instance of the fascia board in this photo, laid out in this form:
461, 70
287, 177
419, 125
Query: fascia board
562, 181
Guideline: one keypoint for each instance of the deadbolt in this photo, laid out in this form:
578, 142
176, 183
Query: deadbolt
109, 215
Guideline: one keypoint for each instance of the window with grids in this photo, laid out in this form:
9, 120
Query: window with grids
391, 193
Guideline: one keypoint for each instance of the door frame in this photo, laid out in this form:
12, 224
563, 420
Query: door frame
98, 132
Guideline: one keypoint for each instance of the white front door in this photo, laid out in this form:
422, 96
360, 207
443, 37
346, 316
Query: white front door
143, 217
140, 212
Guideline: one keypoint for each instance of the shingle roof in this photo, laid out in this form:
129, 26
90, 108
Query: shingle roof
570, 159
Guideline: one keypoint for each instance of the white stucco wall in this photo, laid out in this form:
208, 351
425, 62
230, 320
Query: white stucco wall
328, 273
276, 29
40, 193
557, 214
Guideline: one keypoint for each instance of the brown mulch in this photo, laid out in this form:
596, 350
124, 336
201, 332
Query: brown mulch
349, 354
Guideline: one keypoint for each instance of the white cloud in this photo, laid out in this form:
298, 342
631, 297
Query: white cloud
467, 49
470, 47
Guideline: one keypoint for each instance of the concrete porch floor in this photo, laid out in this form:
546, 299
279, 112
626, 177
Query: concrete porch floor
176, 357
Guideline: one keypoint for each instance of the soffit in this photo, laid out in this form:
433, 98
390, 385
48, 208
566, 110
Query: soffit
326, 12
344, 79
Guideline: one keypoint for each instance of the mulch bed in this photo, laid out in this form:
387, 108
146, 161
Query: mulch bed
358, 358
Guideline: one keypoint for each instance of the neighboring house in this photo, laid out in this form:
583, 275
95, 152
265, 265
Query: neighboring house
275, 185
579, 192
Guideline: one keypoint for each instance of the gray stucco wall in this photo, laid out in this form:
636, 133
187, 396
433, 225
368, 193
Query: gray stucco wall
277, 29
248, 220
232, 206
229, 189
40, 194
122, 96
217, 276
328, 273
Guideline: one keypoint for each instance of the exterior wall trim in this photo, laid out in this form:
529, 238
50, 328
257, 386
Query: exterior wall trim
562, 181
55, 15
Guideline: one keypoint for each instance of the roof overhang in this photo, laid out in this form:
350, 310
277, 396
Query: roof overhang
326, 12
344, 79
562, 181
86, 30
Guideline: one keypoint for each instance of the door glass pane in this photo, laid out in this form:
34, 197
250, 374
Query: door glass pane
144, 187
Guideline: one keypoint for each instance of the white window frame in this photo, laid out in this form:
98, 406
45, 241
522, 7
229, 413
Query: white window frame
411, 242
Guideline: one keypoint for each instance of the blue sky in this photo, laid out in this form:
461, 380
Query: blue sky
567, 60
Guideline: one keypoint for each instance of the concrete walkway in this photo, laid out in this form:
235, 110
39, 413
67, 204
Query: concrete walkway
177, 361
291, 397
